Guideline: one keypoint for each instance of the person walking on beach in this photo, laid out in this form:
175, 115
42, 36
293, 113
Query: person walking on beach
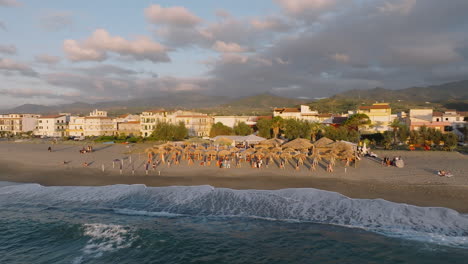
49, 149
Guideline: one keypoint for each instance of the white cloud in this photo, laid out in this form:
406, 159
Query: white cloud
9, 3
96, 47
174, 16
8, 66
47, 59
401, 6
302, 6
230, 47
8, 49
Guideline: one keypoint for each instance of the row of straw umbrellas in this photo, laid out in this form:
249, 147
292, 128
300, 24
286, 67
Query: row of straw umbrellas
298, 149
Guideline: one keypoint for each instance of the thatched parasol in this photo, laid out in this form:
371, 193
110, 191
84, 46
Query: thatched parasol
223, 141
249, 150
211, 152
199, 152
234, 149
224, 153
285, 155
298, 143
276, 149
201, 147
301, 156
272, 142
323, 143
289, 150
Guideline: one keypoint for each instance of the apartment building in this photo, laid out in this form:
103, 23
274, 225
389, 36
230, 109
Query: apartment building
302, 113
380, 115
18, 123
52, 126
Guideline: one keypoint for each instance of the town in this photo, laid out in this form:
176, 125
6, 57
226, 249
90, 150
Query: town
99, 124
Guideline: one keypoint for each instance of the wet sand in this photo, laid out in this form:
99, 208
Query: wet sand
415, 184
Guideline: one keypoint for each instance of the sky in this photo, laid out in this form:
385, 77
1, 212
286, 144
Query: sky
54, 51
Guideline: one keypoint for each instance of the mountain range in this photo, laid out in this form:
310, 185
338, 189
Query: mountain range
448, 95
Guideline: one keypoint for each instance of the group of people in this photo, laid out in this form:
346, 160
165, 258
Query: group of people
391, 162
87, 149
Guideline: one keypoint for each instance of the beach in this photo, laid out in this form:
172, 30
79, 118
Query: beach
416, 184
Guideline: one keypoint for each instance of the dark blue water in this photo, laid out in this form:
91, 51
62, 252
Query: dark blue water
136, 224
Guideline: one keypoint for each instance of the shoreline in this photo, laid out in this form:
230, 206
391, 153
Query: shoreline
415, 184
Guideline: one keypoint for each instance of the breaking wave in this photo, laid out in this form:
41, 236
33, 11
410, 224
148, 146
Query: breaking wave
430, 224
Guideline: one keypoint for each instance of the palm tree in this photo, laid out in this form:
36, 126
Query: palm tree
315, 127
357, 121
276, 124
395, 125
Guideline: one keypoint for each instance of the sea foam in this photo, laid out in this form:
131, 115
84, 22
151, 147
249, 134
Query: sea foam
430, 224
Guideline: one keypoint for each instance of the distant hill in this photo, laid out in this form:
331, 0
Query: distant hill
452, 95
265, 100
181, 100
436, 93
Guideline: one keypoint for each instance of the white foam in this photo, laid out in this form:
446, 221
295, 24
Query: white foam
104, 238
435, 225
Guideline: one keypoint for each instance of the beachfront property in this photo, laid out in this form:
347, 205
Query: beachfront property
17, 123
52, 126
455, 118
380, 115
96, 124
130, 128
149, 120
76, 127
198, 124
418, 118
231, 121
302, 113
128, 125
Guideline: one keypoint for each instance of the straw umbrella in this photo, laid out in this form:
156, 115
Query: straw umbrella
298, 144
224, 153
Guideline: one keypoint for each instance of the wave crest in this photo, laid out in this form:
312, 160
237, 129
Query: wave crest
433, 224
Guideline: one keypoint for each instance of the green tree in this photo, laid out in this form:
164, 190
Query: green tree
219, 129
403, 133
296, 129
169, 132
242, 129
276, 125
315, 128
264, 128
357, 121
450, 141
395, 125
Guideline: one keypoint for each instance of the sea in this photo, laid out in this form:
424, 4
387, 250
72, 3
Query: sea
203, 224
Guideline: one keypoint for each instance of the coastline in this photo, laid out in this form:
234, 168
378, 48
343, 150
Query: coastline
415, 184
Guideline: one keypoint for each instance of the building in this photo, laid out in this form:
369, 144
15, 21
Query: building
17, 123
302, 113
52, 126
127, 118
380, 115
418, 118
149, 120
95, 125
130, 128
197, 124
76, 127
456, 119
231, 121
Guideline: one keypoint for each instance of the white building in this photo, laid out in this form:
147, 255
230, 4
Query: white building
231, 121
198, 124
18, 123
52, 126
302, 113
456, 119
76, 126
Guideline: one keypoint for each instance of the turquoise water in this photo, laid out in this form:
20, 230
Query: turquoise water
202, 224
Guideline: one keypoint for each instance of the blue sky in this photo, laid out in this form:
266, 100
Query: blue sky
63, 51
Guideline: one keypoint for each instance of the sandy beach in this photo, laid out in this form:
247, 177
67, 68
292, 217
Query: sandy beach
416, 184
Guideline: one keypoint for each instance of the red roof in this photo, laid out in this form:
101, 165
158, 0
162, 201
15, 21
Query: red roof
437, 114
51, 116
288, 110
374, 107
